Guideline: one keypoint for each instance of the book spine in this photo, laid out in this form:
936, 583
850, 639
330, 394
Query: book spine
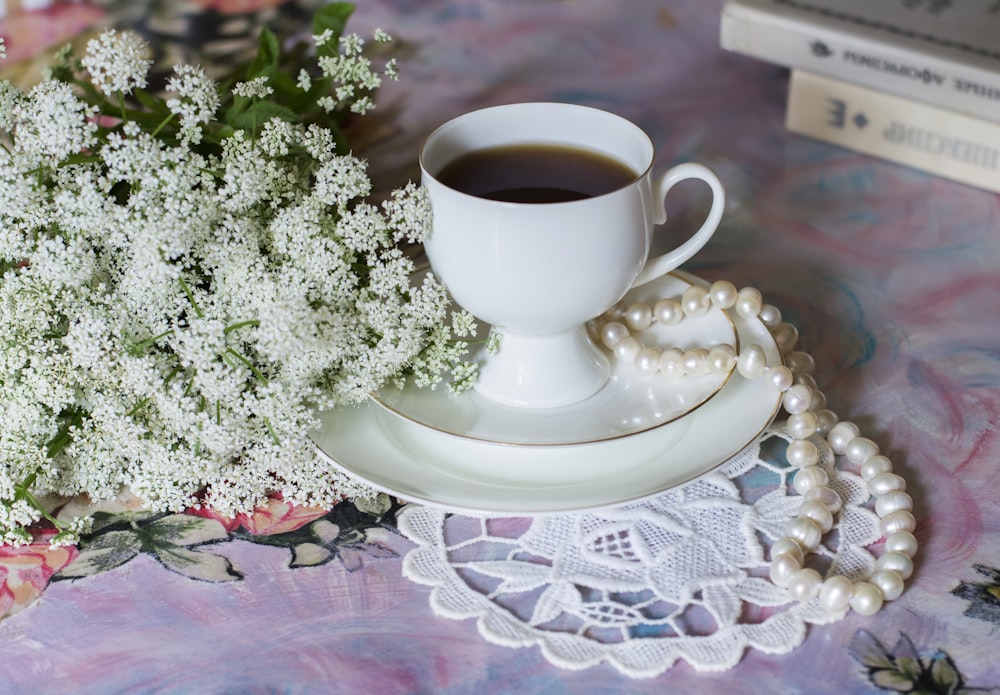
926, 137
866, 59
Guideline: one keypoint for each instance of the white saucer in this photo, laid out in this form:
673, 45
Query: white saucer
629, 403
461, 474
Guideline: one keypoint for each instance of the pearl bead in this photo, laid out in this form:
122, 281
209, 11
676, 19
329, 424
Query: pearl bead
770, 315
866, 598
808, 478
897, 562
804, 531
672, 363
875, 466
786, 335
722, 358
805, 379
612, 333
800, 362
696, 362
893, 501
825, 419
639, 317
886, 482
804, 585
668, 311
723, 294
835, 594
786, 546
840, 436
752, 361
627, 349
818, 514
797, 399
615, 313
901, 542
802, 425
825, 496
749, 302
648, 360
889, 583
782, 568
894, 522
780, 377
860, 449
808, 416
818, 401
802, 453
695, 301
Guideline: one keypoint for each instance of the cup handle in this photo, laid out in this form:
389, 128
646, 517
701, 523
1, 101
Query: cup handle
663, 264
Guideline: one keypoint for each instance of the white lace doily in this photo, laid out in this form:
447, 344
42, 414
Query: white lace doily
680, 576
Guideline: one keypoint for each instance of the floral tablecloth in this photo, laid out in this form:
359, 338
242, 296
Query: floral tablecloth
890, 274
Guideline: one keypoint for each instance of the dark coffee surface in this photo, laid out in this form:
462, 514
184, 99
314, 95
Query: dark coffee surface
535, 174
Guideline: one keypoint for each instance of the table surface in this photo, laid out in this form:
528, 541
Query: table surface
890, 274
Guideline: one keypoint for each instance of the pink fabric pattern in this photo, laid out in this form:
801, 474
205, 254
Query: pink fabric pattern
25, 571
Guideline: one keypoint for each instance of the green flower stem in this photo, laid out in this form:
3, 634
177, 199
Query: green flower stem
138, 406
121, 106
191, 299
170, 376
162, 125
242, 324
253, 128
139, 348
249, 365
270, 429
23, 492
62, 437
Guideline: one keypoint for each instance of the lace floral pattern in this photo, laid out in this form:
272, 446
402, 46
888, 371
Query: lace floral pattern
682, 575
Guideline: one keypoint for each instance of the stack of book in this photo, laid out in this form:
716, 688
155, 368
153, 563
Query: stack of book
916, 82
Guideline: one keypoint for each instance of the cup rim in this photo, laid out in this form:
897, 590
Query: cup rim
531, 105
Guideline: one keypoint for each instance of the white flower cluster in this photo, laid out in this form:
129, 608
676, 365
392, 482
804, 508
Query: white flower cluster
117, 62
352, 71
173, 318
196, 101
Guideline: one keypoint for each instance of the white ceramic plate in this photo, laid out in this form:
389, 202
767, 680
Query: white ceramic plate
629, 403
460, 474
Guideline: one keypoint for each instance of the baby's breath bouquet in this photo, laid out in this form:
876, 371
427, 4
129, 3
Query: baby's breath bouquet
189, 278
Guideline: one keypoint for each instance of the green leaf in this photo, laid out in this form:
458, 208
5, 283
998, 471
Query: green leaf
870, 652
205, 567
310, 555
334, 17
185, 530
910, 667
119, 520
103, 553
944, 674
253, 118
377, 506
892, 681
147, 100
268, 53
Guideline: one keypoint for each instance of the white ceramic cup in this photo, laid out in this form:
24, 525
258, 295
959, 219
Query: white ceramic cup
537, 272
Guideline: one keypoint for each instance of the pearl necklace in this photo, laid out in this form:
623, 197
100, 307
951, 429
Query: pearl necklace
810, 426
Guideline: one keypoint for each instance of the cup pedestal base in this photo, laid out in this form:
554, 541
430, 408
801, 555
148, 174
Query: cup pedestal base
543, 371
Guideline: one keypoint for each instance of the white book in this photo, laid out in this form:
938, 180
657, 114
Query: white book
944, 52
926, 137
